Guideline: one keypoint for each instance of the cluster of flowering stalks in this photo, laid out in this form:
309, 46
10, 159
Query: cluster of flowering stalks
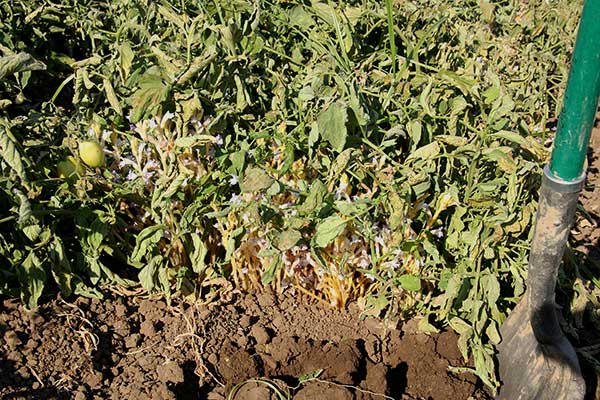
150, 151
153, 158
353, 265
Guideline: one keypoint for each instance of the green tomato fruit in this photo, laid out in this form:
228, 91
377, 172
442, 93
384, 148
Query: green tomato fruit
91, 153
70, 168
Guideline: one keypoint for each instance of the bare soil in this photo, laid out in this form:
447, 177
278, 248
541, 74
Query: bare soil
140, 348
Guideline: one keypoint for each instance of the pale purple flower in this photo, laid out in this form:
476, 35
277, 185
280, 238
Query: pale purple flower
152, 123
147, 175
219, 140
131, 175
235, 199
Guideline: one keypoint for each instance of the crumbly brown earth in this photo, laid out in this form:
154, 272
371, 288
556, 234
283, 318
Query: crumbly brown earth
140, 348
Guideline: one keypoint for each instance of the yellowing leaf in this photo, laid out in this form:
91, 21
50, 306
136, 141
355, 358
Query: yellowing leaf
288, 239
256, 179
329, 229
332, 125
426, 152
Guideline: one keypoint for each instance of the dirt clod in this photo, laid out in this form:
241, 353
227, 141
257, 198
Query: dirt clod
139, 348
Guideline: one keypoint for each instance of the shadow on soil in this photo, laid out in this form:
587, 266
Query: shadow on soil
188, 389
397, 378
22, 385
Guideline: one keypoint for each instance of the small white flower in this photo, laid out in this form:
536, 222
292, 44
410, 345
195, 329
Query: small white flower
141, 147
151, 164
131, 175
364, 262
106, 134
127, 161
234, 180
219, 140
168, 116
152, 123
370, 277
439, 232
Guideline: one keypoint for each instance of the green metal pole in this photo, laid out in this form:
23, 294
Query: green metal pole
581, 99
